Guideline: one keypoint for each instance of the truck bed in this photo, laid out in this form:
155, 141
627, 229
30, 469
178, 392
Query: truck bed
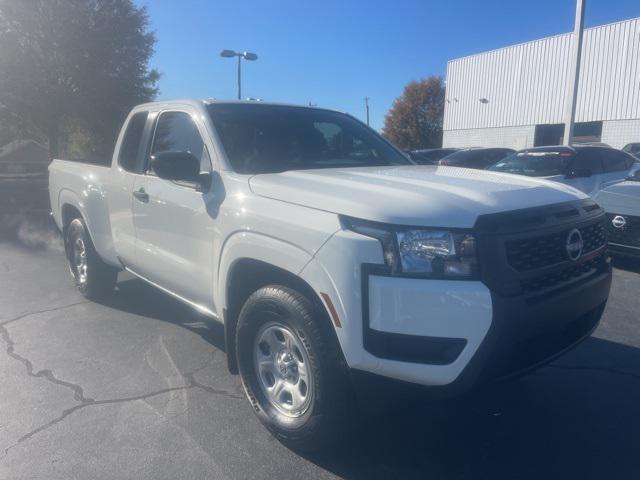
86, 184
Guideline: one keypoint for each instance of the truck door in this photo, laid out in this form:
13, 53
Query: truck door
175, 226
126, 166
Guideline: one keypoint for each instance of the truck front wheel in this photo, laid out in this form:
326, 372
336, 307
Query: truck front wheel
290, 368
92, 276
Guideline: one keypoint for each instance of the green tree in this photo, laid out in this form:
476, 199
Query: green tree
415, 118
74, 64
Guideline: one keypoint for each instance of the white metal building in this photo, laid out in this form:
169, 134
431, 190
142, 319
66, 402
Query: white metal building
515, 96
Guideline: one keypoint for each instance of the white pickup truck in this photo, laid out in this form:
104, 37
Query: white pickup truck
331, 259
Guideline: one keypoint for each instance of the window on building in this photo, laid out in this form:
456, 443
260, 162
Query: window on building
553, 134
586, 132
548, 135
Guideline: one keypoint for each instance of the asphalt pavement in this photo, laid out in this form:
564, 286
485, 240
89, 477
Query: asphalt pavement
137, 387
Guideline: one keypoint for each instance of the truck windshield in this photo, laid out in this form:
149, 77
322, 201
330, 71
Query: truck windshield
274, 138
535, 164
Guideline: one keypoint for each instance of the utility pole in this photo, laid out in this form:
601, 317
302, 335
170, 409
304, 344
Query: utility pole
574, 72
366, 106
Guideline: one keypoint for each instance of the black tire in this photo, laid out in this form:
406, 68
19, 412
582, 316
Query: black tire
94, 278
323, 422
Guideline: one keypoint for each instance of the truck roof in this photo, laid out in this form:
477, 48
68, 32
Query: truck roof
210, 101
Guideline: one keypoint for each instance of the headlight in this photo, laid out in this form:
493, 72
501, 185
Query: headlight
423, 251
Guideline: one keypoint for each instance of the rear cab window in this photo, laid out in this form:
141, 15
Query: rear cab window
128, 156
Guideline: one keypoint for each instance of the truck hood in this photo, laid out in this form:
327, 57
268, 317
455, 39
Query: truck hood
622, 197
411, 195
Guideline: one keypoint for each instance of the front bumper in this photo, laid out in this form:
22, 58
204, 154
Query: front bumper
521, 334
525, 335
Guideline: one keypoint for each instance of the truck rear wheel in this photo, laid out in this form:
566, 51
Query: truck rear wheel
92, 276
290, 368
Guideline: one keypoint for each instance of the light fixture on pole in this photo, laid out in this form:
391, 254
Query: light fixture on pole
240, 55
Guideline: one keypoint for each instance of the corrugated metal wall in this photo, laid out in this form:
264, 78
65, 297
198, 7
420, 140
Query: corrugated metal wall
526, 84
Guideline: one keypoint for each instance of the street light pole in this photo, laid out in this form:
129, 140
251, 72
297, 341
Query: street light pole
572, 87
240, 55
366, 105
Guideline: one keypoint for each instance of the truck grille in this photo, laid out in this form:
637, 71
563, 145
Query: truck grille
627, 235
524, 252
543, 251
566, 276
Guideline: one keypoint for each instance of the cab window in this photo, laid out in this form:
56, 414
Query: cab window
128, 156
177, 132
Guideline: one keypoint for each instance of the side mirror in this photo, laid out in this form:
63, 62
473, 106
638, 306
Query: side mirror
635, 176
176, 166
579, 173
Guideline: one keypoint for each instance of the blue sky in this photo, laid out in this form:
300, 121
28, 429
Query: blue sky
334, 53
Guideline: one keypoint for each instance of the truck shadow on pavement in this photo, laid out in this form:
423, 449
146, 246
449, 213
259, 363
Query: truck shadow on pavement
136, 297
576, 418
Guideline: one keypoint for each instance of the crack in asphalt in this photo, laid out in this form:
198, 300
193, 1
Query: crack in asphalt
596, 368
28, 314
69, 411
78, 392
192, 383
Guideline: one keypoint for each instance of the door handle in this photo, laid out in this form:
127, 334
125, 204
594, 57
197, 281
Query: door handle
141, 195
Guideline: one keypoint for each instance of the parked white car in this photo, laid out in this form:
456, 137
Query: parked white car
585, 167
621, 201
329, 257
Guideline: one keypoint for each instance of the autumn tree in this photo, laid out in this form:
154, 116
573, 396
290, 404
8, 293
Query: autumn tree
78, 64
415, 118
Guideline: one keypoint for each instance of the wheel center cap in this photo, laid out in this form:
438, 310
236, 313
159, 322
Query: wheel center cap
287, 365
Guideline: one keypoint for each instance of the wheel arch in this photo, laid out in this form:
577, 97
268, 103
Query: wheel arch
92, 208
245, 276
70, 207
68, 213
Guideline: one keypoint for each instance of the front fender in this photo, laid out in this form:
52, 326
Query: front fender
261, 247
